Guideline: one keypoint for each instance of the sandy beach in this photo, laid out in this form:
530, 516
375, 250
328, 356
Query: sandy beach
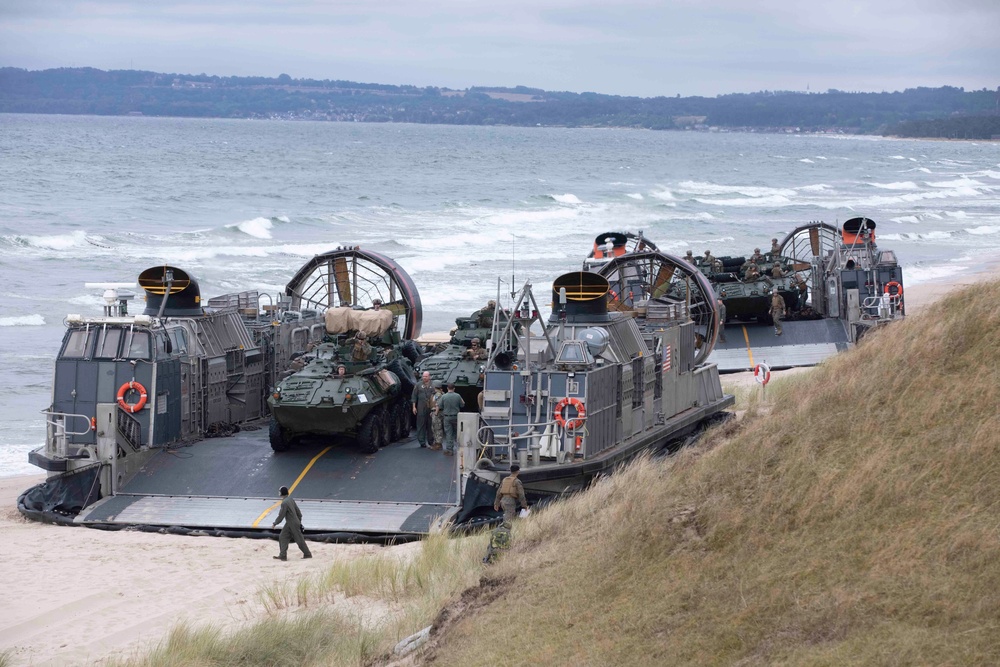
77, 596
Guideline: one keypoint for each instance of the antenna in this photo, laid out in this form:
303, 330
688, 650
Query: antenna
512, 237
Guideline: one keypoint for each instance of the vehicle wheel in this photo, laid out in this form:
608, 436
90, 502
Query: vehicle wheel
403, 415
370, 433
384, 416
411, 351
392, 422
280, 442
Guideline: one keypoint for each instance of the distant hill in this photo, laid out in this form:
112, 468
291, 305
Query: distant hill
971, 114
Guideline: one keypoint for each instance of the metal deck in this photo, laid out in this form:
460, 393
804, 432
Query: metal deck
232, 483
802, 343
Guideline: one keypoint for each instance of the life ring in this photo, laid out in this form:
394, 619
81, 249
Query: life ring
762, 374
899, 289
138, 405
614, 294
581, 413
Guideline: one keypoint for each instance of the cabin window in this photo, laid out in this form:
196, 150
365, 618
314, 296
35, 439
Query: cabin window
78, 344
108, 341
138, 345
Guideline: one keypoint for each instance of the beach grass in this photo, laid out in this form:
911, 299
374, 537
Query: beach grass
849, 518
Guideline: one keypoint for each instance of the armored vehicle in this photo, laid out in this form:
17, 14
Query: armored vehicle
356, 384
461, 361
746, 284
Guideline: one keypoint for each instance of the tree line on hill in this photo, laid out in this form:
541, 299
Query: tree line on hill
918, 112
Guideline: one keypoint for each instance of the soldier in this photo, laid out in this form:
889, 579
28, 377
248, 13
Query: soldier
484, 318
422, 398
362, 349
341, 371
753, 273
717, 265
292, 530
377, 304
803, 288
756, 257
476, 353
510, 493
722, 321
450, 405
775, 248
708, 258
689, 257
776, 271
500, 540
777, 311
437, 418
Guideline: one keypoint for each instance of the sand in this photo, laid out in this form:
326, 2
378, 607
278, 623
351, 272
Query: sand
78, 596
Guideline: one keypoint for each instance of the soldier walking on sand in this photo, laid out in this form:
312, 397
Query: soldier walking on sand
292, 530
777, 311
422, 399
510, 493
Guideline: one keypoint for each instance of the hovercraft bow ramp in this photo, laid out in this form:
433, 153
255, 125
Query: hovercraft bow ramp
230, 486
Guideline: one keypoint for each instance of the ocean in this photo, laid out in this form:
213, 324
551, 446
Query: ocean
242, 204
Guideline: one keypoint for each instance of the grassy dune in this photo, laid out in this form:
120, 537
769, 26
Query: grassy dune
853, 517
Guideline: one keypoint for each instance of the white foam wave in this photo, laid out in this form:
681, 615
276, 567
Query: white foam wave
918, 273
896, 157
258, 227
772, 200
820, 157
283, 218
699, 188
818, 187
567, 199
663, 195
957, 215
983, 230
634, 195
22, 321
906, 218
807, 161
54, 242
914, 236
902, 185
964, 183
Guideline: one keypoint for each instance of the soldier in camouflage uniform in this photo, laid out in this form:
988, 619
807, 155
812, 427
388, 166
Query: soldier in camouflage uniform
437, 418
510, 492
362, 349
500, 541
476, 352
756, 257
689, 257
777, 311
775, 248
722, 321
803, 288
753, 273
776, 271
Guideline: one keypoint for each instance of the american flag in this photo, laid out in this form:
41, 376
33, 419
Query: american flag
666, 358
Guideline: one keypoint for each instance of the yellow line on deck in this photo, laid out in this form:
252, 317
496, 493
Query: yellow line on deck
746, 337
291, 489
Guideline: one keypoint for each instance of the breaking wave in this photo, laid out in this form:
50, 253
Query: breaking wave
22, 321
566, 199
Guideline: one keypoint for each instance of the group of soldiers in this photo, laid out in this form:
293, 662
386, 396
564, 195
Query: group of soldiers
436, 411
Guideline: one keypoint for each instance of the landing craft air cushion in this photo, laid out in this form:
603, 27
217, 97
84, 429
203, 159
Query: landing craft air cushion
572, 399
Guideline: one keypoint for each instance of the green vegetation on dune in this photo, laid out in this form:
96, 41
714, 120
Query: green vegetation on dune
856, 523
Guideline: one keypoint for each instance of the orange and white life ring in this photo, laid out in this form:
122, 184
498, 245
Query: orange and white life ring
124, 389
899, 289
614, 294
762, 374
576, 422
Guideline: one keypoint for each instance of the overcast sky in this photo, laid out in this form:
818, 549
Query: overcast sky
631, 47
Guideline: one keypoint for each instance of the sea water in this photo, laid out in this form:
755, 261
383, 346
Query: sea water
465, 210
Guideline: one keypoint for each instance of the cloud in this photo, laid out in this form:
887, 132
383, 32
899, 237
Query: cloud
636, 47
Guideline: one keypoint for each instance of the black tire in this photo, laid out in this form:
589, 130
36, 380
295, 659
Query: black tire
392, 421
370, 433
403, 416
280, 442
411, 351
383, 415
